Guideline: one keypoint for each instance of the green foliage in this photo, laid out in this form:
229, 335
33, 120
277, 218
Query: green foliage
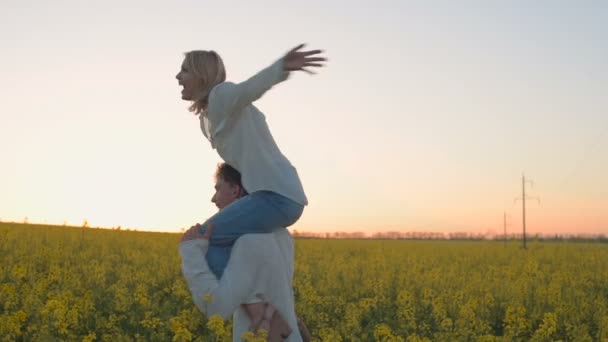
83, 284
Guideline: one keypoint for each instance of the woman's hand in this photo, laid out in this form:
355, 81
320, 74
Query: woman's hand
298, 60
195, 233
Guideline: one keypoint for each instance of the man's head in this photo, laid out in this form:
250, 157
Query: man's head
228, 187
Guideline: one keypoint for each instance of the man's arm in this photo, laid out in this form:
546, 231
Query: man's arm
211, 296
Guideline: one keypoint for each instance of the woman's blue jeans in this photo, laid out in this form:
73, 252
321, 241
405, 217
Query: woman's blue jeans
258, 212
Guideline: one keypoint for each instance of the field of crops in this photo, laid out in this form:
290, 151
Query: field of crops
84, 284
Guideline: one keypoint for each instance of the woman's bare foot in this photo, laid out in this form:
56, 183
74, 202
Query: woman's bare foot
255, 311
270, 320
279, 329
306, 337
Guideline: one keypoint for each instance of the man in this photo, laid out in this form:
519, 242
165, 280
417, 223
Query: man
259, 273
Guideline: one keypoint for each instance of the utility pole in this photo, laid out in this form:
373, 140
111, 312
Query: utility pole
523, 205
523, 201
504, 221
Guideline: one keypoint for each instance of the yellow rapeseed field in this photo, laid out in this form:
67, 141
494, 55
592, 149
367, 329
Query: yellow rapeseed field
84, 284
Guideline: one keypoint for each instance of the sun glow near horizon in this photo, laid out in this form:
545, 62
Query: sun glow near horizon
421, 121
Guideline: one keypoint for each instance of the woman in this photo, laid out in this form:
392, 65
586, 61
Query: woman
242, 138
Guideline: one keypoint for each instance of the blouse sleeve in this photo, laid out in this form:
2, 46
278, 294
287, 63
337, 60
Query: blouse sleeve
226, 99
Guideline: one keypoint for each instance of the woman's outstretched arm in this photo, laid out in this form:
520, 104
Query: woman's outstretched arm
227, 98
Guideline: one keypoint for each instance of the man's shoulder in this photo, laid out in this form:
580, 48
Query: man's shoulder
252, 248
283, 236
276, 236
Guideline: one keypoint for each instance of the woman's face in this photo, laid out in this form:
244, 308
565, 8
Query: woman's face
191, 85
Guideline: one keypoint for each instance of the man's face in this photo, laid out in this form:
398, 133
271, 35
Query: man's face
225, 193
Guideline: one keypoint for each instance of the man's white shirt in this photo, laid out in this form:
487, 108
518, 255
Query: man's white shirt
260, 269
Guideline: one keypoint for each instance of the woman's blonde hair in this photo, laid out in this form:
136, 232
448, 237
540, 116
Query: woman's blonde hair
208, 67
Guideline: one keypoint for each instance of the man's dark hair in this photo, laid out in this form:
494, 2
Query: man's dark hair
228, 174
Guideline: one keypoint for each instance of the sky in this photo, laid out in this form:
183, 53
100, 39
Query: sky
425, 118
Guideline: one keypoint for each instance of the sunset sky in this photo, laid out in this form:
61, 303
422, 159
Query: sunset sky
424, 119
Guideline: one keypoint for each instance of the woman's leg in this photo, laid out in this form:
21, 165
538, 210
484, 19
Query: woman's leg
259, 212
217, 259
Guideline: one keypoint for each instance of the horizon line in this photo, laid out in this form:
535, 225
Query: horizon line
387, 234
